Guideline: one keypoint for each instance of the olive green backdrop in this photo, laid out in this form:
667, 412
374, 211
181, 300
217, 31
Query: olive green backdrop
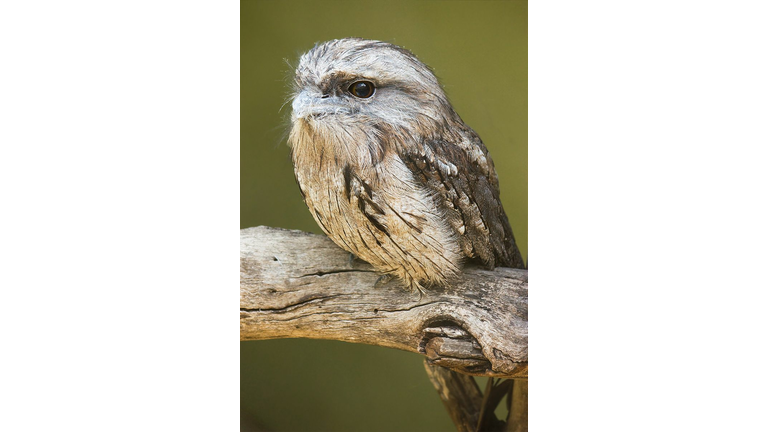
478, 49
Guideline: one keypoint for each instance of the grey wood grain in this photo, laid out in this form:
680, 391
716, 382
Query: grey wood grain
299, 285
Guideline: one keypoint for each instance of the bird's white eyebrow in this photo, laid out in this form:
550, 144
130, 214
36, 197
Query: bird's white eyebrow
339, 75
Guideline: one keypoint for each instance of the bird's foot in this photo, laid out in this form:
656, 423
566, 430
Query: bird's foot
420, 289
383, 280
354, 259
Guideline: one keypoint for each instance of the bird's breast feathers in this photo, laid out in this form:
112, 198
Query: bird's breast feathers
378, 212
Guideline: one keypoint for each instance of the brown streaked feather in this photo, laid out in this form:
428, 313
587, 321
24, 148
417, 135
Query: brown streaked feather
469, 191
395, 178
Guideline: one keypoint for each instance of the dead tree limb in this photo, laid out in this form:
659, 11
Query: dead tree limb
460, 394
299, 285
472, 410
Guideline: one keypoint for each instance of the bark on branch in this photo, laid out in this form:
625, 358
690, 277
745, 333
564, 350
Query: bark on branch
299, 285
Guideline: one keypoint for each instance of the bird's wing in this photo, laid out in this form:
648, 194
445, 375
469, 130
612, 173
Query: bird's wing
462, 175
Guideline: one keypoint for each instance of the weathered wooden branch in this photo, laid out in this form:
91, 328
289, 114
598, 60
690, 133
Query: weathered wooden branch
299, 285
472, 410
460, 394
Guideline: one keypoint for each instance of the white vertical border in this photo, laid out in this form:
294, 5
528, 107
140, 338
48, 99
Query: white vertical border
648, 215
119, 147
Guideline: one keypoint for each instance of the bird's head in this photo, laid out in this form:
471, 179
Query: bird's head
357, 86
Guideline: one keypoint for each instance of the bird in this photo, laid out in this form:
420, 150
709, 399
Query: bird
388, 169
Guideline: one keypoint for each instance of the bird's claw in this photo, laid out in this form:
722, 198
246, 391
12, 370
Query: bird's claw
383, 280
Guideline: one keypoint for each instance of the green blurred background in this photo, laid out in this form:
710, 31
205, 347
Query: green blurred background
478, 49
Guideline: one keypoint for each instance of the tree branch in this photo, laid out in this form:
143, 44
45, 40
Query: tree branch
299, 285
460, 394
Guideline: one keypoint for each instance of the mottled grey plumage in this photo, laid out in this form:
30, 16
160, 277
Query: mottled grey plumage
396, 178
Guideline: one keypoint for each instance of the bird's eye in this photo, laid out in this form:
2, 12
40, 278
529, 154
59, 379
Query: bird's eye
362, 89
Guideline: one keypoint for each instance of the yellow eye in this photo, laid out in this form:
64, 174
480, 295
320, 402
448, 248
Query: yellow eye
362, 89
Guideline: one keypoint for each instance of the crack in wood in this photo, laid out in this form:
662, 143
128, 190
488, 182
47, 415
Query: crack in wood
335, 271
292, 306
478, 325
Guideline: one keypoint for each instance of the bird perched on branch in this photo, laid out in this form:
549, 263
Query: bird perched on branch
388, 169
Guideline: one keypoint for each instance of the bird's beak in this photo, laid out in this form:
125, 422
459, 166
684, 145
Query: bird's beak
309, 103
